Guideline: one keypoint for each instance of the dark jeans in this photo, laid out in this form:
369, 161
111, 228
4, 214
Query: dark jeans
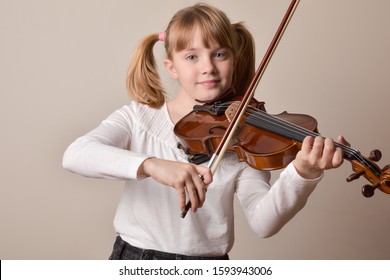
124, 251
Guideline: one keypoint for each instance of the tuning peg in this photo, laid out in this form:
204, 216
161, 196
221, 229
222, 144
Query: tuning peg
355, 176
375, 155
368, 190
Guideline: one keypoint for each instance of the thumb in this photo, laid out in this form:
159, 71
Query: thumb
205, 174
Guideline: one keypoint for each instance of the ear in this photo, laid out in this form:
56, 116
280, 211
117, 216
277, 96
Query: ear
171, 68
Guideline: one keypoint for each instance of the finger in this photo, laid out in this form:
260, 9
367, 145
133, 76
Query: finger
327, 154
338, 158
193, 196
318, 146
342, 140
307, 144
200, 190
205, 174
182, 197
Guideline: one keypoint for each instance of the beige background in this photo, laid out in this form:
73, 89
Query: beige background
62, 70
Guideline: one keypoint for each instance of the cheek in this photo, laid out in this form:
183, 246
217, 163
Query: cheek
229, 74
229, 68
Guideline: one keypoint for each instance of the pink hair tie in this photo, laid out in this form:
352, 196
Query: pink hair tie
162, 36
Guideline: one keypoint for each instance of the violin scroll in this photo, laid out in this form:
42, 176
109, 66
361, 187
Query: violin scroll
379, 178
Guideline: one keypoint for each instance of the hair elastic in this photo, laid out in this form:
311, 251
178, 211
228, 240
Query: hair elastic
162, 36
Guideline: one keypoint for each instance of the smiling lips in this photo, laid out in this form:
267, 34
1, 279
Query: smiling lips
209, 83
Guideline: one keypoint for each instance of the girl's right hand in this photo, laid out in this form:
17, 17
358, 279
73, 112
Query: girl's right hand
183, 177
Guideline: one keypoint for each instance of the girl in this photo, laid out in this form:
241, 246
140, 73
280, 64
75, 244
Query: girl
208, 56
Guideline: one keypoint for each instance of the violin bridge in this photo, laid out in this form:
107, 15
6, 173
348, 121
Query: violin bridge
231, 110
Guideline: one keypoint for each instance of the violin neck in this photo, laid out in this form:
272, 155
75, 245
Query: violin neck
293, 131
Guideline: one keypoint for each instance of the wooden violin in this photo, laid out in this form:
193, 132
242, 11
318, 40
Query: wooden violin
264, 141
267, 142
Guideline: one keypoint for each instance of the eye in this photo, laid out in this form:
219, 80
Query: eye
191, 57
220, 55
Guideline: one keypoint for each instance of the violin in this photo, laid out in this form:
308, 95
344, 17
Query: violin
267, 142
240, 124
264, 141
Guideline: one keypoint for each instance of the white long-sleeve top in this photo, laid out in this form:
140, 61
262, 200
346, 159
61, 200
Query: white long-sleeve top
148, 214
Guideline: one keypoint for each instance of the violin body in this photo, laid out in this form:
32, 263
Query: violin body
265, 150
201, 131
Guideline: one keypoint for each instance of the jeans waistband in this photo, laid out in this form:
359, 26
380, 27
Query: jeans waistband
124, 251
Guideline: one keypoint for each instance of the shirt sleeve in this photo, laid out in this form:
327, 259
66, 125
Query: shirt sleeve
268, 208
104, 151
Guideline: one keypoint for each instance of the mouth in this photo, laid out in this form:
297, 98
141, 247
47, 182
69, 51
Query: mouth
209, 83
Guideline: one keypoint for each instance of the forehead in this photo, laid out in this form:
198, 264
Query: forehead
197, 39
194, 37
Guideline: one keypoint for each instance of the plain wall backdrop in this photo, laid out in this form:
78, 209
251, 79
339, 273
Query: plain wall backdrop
62, 70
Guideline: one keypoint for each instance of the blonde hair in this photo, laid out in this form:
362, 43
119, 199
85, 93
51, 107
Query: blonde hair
143, 81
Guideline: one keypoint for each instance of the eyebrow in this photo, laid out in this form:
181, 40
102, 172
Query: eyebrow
213, 49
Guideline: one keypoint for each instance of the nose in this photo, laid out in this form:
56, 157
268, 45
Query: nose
208, 66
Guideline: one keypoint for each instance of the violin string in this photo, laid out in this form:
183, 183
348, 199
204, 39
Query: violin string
280, 126
285, 125
299, 131
279, 123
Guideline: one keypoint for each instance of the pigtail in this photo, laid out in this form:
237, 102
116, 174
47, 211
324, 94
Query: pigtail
245, 59
143, 81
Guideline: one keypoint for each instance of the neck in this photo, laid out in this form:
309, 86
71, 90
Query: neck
178, 107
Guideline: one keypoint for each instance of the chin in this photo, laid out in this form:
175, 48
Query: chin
210, 96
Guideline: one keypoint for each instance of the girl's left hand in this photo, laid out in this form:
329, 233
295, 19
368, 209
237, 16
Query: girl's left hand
318, 154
